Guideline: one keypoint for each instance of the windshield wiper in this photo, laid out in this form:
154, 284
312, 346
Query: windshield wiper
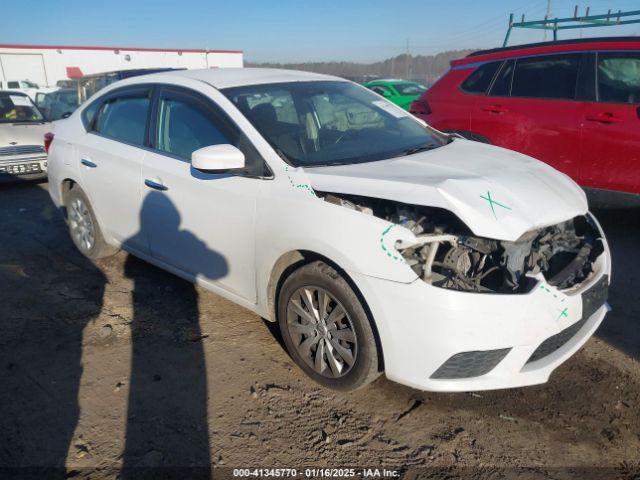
421, 148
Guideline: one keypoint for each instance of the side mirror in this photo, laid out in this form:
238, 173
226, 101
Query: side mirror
217, 157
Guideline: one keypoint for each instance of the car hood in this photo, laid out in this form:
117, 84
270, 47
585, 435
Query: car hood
496, 192
22, 133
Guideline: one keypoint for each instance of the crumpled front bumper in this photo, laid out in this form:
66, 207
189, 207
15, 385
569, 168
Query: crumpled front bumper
421, 327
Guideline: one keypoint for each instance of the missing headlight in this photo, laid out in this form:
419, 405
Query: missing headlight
448, 255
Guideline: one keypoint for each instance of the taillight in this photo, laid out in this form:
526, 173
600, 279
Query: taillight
48, 138
420, 107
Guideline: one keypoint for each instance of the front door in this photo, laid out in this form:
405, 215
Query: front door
200, 223
610, 149
532, 108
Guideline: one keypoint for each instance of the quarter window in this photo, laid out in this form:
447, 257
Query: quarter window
550, 76
124, 118
480, 79
619, 77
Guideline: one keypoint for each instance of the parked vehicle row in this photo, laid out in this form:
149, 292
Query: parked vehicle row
573, 104
376, 242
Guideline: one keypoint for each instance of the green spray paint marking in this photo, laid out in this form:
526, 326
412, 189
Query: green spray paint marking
492, 202
565, 311
389, 251
304, 186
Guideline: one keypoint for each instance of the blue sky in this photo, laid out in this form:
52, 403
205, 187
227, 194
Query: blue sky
288, 30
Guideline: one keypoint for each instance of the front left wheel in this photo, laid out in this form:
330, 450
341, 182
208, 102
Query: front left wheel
326, 329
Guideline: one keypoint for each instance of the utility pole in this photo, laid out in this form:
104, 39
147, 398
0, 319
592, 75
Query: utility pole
547, 15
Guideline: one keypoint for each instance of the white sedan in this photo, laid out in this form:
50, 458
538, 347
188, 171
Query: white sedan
376, 242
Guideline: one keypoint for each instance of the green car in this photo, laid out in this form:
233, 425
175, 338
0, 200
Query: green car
400, 92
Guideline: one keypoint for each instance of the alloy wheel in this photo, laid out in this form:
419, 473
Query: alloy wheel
321, 331
81, 224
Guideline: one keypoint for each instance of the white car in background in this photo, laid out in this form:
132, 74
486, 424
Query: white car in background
22, 130
377, 243
25, 86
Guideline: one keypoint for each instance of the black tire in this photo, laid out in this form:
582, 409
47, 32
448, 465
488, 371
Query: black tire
98, 248
365, 358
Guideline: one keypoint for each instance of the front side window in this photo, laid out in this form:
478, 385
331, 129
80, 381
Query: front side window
550, 76
184, 127
619, 77
124, 118
330, 123
478, 82
16, 108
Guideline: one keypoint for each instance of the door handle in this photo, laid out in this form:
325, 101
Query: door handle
494, 109
88, 163
604, 117
155, 185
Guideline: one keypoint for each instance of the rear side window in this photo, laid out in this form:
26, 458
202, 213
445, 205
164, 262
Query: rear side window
549, 76
124, 118
13, 85
480, 79
502, 85
380, 90
619, 77
89, 113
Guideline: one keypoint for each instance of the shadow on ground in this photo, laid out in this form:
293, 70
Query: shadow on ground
621, 327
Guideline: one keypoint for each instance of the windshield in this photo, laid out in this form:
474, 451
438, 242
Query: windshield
18, 108
409, 88
330, 123
28, 84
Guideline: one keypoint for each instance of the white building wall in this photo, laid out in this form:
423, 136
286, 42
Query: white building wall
21, 62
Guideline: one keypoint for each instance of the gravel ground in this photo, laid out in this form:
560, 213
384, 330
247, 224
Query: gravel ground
120, 364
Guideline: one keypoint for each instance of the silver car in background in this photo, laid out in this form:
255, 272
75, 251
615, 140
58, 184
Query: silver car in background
22, 130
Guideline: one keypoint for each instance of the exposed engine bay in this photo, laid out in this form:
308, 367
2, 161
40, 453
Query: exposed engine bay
448, 255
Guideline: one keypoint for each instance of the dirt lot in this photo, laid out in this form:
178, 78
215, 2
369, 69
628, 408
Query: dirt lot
121, 364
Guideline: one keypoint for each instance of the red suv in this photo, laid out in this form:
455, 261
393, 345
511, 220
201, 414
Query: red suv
573, 104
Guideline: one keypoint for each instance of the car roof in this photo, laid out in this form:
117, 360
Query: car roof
390, 80
237, 77
581, 44
12, 92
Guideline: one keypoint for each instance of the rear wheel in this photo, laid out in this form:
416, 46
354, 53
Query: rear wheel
83, 226
326, 329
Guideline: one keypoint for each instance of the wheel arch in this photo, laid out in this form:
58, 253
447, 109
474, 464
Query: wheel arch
65, 187
290, 261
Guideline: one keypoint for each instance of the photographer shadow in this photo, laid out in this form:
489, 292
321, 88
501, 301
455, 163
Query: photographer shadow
167, 430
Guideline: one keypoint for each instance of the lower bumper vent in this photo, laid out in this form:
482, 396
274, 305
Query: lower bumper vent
470, 364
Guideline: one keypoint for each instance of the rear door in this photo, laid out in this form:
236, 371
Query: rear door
610, 149
534, 107
111, 160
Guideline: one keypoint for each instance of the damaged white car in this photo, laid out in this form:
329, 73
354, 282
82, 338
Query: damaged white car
377, 243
